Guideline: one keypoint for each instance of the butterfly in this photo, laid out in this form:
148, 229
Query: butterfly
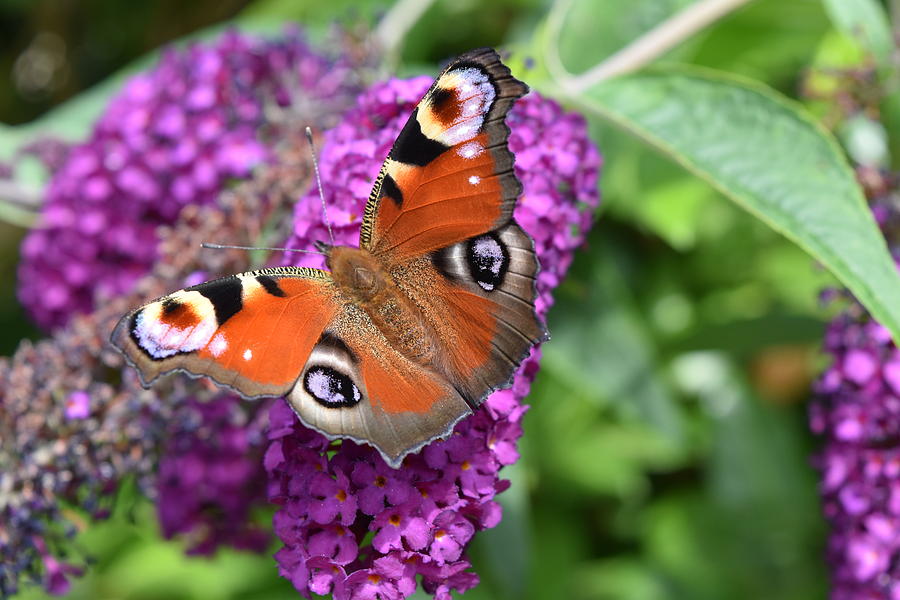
406, 334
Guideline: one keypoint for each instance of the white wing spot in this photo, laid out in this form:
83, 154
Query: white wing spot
474, 179
248, 354
218, 345
470, 150
487, 260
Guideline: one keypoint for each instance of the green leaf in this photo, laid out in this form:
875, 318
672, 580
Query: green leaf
619, 577
603, 350
757, 485
890, 118
313, 15
865, 21
766, 154
768, 40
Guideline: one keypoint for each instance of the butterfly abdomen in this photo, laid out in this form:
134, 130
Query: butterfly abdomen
362, 278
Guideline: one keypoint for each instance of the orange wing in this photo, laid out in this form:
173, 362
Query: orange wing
449, 175
440, 219
251, 332
478, 297
356, 385
289, 331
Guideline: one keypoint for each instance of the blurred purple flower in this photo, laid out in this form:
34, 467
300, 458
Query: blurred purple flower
175, 135
856, 410
56, 572
210, 476
423, 515
78, 405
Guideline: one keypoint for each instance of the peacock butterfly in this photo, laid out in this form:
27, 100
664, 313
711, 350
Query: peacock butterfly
408, 333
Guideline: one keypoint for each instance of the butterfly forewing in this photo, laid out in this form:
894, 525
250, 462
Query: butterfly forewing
449, 175
440, 215
252, 332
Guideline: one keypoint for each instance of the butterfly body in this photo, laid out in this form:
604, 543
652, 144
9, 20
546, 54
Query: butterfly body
362, 279
404, 335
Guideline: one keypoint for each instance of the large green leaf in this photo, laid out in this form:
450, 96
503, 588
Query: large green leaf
770, 157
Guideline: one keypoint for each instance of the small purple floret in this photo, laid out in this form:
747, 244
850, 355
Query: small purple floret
78, 405
210, 477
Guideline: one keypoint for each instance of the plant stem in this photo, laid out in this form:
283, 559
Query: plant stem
397, 22
895, 19
20, 195
654, 43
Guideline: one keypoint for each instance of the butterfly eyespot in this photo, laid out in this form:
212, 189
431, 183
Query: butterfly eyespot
488, 260
165, 328
330, 387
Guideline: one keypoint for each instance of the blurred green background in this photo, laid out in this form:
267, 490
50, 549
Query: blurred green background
666, 454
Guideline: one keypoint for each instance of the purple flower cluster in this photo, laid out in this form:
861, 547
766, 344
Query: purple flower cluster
210, 476
856, 410
175, 135
351, 525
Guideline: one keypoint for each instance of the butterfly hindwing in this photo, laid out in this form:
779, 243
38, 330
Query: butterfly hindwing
252, 332
449, 175
479, 297
356, 385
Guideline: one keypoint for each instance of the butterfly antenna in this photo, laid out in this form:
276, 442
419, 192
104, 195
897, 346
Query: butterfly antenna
312, 150
226, 246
